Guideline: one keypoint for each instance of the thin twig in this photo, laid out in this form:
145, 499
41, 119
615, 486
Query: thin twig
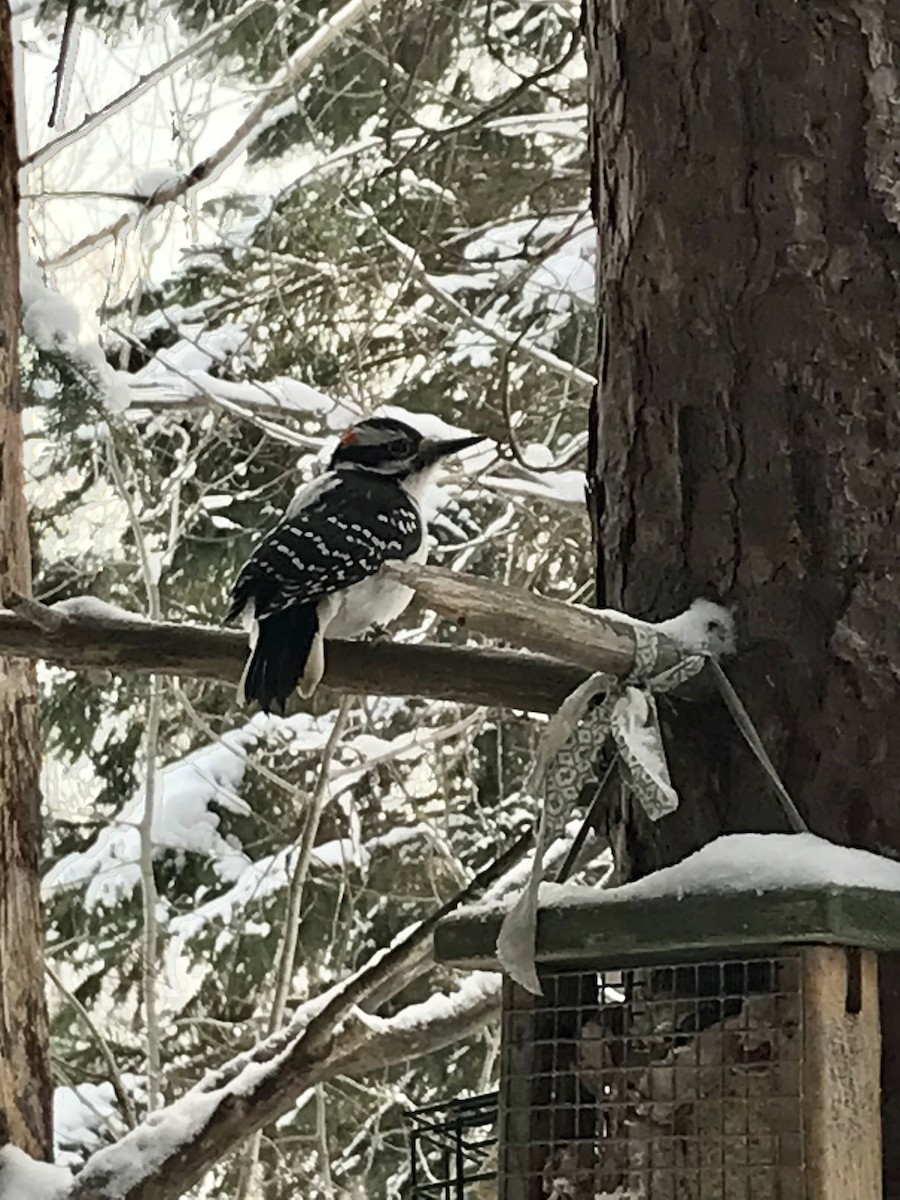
317, 805
249, 1176
589, 821
742, 719
282, 86
359, 985
238, 751
495, 332
61, 1073
481, 117
151, 785
278, 432
327, 1183
150, 897
115, 1075
63, 66
144, 83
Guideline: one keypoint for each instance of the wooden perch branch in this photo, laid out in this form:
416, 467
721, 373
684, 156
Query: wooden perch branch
465, 674
561, 645
594, 641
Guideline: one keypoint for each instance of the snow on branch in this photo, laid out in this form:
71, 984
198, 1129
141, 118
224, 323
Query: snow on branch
171, 1151
491, 329
330, 1035
95, 119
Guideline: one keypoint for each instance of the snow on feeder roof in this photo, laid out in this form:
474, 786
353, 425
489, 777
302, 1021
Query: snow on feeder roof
743, 890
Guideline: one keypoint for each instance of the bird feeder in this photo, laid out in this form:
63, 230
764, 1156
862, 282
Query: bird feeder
702, 1047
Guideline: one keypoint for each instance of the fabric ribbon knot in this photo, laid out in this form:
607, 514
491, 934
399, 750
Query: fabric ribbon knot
564, 762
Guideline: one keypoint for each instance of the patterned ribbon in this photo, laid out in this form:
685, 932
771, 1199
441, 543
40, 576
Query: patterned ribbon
564, 763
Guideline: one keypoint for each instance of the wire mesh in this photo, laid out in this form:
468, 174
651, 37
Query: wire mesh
676, 1082
453, 1153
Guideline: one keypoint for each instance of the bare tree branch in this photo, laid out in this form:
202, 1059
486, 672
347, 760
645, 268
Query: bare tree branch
280, 88
357, 1048
63, 65
149, 896
115, 1075
93, 120
491, 329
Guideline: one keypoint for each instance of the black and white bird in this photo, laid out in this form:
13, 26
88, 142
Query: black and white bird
316, 574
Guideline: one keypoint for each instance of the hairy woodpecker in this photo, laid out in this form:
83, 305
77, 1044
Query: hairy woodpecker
317, 573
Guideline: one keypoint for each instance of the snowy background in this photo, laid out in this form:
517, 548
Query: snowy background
401, 226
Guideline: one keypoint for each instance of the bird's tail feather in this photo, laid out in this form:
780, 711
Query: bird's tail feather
281, 656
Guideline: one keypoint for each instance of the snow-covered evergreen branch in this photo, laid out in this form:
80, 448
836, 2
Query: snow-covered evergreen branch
329, 1036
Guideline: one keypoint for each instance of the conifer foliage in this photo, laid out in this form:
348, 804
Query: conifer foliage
402, 227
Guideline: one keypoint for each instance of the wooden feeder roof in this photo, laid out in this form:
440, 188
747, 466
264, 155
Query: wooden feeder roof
596, 927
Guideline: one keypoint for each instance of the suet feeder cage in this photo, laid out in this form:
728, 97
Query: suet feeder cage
707, 1047
452, 1147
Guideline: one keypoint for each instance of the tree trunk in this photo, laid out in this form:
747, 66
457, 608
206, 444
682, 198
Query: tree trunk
746, 187
25, 1094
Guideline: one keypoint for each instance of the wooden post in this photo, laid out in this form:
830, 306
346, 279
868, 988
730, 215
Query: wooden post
841, 1074
523, 1105
25, 1092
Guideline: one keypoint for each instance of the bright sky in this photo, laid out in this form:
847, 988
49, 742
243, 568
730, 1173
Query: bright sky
165, 131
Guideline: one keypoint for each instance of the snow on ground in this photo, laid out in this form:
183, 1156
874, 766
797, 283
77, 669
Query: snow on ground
758, 862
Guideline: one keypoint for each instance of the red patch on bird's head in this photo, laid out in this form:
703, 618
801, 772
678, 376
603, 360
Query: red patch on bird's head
348, 437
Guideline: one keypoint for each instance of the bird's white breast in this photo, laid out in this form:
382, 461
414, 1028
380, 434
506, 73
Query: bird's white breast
376, 600
373, 601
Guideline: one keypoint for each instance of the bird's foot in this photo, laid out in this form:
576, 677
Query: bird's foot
377, 633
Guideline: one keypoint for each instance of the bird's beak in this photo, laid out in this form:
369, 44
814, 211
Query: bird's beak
431, 449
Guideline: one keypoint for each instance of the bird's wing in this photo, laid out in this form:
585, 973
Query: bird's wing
342, 533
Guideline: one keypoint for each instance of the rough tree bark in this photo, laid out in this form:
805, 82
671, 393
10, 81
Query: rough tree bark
746, 187
25, 1095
